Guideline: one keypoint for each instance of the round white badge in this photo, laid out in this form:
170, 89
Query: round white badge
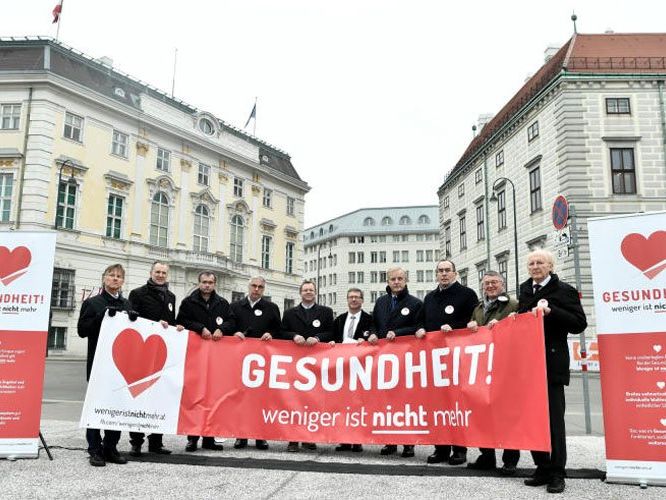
542, 303
316, 323
503, 298
170, 307
218, 320
258, 312
404, 311
449, 309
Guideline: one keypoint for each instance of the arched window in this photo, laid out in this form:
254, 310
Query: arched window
387, 221
236, 245
159, 220
330, 228
369, 221
201, 228
424, 219
405, 220
321, 231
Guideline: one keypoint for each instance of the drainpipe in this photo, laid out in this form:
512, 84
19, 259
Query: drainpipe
486, 202
660, 84
23, 162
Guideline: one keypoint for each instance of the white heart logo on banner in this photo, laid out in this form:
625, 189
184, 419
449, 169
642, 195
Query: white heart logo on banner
661, 384
656, 347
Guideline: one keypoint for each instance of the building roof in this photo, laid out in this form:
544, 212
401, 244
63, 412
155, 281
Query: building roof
608, 53
27, 54
366, 221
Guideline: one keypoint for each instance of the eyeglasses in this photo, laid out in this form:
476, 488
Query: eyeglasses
445, 270
491, 282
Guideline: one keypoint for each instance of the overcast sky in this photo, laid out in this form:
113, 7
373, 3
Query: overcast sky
373, 99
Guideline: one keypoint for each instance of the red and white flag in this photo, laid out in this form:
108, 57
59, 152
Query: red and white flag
57, 10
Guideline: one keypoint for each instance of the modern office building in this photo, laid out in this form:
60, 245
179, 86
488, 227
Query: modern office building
126, 173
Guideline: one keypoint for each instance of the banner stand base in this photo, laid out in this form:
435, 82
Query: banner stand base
46, 446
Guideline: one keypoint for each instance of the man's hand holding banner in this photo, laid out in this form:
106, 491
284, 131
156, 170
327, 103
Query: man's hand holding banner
484, 389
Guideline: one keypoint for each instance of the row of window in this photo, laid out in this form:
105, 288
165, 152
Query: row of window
404, 220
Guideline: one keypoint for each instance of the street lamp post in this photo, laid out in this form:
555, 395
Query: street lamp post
493, 197
70, 182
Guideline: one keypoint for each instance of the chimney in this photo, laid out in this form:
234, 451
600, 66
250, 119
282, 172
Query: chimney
550, 51
483, 120
106, 61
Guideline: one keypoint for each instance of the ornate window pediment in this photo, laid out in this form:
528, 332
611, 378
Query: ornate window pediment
162, 183
239, 207
205, 197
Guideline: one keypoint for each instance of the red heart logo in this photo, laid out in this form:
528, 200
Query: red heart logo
137, 359
646, 254
13, 264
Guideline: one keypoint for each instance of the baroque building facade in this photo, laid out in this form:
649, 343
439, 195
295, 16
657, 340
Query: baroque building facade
356, 249
125, 173
589, 125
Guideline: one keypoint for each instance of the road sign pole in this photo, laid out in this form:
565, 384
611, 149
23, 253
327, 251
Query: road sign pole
583, 344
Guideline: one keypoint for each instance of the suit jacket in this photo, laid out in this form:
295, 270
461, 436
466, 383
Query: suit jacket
363, 324
195, 313
317, 322
566, 316
452, 306
253, 321
151, 304
498, 310
403, 320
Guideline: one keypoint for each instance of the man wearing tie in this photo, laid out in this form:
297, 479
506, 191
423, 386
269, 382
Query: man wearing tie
349, 328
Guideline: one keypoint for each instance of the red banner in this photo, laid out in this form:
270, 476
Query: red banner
485, 389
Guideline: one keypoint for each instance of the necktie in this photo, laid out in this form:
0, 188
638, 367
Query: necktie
536, 288
350, 330
394, 302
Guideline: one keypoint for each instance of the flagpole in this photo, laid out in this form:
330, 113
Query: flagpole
59, 19
173, 82
254, 126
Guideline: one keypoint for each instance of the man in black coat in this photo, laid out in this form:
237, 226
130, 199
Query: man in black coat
562, 314
395, 315
92, 314
203, 312
307, 324
253, 317
352, 327
155, 302
448, 307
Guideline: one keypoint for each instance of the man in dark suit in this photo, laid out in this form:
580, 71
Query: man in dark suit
154, 301
394, 315
253, 317
448, 307
203, 312
562, 314
307, 324
351, 327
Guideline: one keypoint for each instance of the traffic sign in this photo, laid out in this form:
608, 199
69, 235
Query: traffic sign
560, 212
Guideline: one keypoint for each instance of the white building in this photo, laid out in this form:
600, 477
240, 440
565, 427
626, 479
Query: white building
141, 176
356, 249
589, 125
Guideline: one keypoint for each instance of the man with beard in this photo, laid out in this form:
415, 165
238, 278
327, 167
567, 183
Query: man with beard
307, 324
92, 314
563, 314
448, 307
253, 317
203, 312
395, 314
154, 302
494, 306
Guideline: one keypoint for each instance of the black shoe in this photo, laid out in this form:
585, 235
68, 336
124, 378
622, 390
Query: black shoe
113, 457
97, 460
389, 449
458, 458
261, 444
407, 451
211, 445
192, 445
357, 448
508, 470
309, 446
135, 451
343, 447
292, 447
159, 450
437, 458
482, 464
240, 443
555, 485
537, 480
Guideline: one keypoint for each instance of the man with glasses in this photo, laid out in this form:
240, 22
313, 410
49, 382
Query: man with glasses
448, 307
352, 327
494, 306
